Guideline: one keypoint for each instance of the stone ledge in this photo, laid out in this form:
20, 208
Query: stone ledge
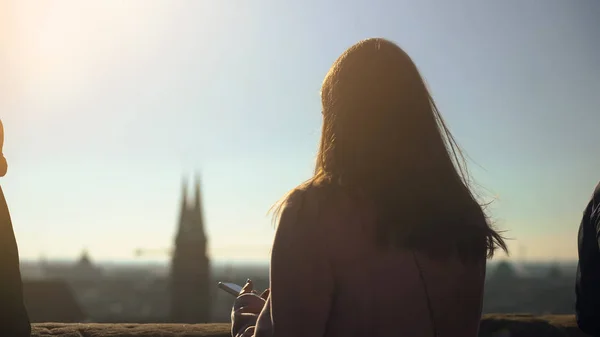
493, 325
129, 330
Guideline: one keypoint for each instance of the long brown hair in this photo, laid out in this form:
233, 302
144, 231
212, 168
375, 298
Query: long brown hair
383, 139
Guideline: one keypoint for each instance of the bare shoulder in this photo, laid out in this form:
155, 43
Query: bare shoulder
298, 202
305, 204
306, 197
294, 199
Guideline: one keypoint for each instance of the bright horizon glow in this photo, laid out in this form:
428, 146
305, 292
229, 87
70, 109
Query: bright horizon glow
106, 104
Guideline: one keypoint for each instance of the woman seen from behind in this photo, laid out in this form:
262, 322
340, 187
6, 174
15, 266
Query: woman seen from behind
387, 237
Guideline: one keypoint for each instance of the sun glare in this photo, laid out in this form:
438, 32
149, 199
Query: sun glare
60, 47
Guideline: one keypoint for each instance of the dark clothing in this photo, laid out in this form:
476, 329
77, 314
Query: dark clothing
329, 279
587, 289
14, 320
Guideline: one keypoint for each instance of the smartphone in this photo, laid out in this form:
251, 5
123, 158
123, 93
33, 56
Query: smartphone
231, 288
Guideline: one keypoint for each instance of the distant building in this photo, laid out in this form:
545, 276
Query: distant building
82, 270
504, 272
554, 272
190, 266
51, 301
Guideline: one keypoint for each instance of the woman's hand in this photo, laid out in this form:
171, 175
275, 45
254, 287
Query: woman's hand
246, 308
248, 302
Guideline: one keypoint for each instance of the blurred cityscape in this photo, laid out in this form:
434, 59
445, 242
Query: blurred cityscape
185, 290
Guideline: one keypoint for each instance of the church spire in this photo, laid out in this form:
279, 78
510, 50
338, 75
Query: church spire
184, 193
197, 196
198, 213
190, 268
183, 215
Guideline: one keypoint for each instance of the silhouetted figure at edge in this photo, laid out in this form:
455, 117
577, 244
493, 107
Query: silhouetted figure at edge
386, 238
587, 289
14, 320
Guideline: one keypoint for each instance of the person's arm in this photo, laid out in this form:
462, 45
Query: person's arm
586, 289
301, 275
594, 215
14, 320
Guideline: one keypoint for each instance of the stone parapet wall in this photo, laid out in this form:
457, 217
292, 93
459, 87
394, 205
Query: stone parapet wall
493, 325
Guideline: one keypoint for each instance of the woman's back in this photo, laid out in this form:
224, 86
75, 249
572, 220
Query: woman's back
386, 238
394, 293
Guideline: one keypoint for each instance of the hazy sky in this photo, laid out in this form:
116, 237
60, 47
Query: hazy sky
107, 104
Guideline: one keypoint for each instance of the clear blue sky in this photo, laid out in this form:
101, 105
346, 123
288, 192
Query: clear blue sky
106, 104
